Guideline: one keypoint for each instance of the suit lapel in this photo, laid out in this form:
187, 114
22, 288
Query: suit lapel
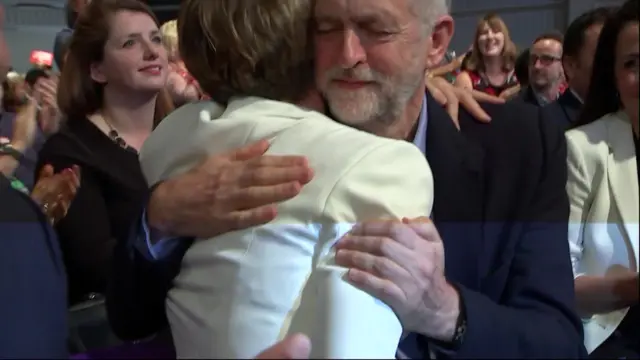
458, 211
529, 97
570, 106
622, 172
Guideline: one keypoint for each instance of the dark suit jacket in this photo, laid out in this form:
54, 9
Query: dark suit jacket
501, 208
528, 96
33, 309
564, 111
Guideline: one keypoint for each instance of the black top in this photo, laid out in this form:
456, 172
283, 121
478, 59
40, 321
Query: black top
106, 205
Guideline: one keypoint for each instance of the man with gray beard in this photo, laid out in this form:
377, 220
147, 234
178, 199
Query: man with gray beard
500, 212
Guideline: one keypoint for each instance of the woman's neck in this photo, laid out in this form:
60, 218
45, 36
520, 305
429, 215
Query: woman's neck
127, 113
493, 65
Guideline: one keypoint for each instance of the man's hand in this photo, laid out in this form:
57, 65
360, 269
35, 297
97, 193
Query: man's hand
295, 346
402, 264
227, 192
453, 97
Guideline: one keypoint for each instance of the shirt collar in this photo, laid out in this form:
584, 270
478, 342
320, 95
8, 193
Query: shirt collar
420, 139
542, 101
575, 94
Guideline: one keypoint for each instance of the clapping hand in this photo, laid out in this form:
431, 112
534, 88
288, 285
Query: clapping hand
46, 92
54, 192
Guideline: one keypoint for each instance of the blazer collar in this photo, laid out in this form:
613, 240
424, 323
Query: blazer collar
570, 105
623, 176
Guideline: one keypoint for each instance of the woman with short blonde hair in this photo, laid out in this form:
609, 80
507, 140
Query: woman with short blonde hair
241, 291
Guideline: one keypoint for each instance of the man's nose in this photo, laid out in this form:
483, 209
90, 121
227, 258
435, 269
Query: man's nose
353, 52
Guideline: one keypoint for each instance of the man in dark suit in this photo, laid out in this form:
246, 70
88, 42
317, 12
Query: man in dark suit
545, 70
500, 209
579, 48
32, 281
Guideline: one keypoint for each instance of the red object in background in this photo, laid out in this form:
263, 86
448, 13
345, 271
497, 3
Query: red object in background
39, 57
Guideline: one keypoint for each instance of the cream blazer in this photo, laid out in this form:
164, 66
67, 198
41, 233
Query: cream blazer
603, 193
240, 292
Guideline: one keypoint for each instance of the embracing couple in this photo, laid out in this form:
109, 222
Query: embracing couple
249, 235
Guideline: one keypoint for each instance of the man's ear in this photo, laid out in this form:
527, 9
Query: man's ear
440, 40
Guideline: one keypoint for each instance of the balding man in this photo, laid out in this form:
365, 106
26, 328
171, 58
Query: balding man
500, 213
546, 77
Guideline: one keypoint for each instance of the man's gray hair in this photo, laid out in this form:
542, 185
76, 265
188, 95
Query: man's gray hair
429, 10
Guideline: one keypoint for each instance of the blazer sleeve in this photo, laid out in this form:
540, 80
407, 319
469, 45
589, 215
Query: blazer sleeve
578, 189
138, 285
392, 181
32, 282
536, 317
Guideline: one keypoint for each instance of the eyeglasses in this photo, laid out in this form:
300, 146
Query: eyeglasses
545, 60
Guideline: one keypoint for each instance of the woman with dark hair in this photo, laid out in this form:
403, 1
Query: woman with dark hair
603, 193
111, 92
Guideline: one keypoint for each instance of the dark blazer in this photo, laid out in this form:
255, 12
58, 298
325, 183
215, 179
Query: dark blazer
33, 309
528, 96
501, 208
564, 111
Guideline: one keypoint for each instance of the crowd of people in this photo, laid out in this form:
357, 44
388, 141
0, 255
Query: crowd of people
249, 181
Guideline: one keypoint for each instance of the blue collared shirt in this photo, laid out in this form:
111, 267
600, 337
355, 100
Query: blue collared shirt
420, 140
164, 247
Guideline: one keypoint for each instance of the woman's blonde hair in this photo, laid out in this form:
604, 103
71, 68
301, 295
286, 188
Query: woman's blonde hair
169, 31
248, 47
509, 52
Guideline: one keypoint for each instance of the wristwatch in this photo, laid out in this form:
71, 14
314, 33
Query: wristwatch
458, 334
461, 329
8, 149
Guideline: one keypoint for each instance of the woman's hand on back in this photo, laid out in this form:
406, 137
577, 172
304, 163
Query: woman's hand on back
227, 192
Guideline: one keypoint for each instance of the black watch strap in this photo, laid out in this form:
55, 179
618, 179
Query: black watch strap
459, 332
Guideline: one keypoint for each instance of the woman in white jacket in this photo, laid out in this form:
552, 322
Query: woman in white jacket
603, 193
239, 292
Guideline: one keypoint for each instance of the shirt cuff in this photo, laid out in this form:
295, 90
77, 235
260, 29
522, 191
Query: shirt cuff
160, 248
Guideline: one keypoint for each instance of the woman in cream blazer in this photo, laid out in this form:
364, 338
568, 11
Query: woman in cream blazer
240, 292
603, 191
